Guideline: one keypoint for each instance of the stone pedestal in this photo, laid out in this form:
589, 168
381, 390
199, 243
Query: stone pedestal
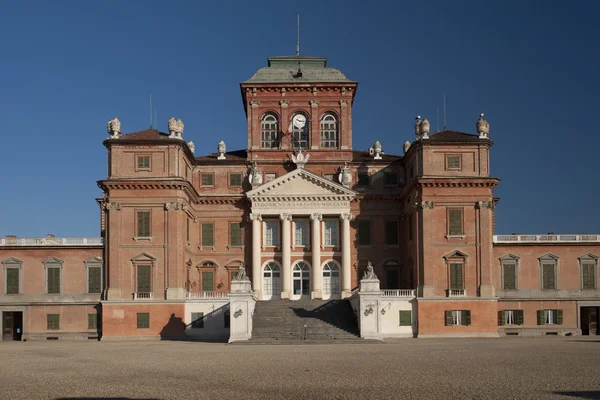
370, 297
177, 293
241, 309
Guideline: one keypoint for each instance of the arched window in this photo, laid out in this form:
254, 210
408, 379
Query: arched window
329, 131
271, 280
300, 131
331, 278
269, 127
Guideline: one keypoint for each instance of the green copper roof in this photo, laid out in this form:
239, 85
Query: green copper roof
285, 70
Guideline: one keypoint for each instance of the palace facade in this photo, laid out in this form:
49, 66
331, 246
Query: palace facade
304, 214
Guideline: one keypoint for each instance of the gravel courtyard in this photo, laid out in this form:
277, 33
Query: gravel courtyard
507, 368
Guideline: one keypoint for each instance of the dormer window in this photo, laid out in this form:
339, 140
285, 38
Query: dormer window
329, 131
269, 131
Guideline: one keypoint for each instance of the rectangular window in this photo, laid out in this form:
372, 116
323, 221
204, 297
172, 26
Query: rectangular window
92, 321
226, 319
198, 320
391, 233
455, 222
235, 234
270, 176
391, 179
143, 224
207, 281
52, 321
548, 276
12, 280
458, 317
509, 276
53, 280
271, 233
208, 179
405, 318
301, 233
208, 239
94, 280
235, 180
550, 317
510, 317
588, 279
456, 276
364, 233
144, 279
330, 235
143, 320
143, 163
453, 162
363, 179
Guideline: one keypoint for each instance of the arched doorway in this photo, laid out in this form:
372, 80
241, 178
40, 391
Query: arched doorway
271, 281
301, 280
331, 280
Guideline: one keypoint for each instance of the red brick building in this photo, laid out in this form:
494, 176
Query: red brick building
305, 212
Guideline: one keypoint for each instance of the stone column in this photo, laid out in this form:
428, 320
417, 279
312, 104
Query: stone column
346, 278
256, 256
317, 275
285, 256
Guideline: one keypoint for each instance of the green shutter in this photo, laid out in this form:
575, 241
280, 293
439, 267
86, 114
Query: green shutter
364, 233
501, 317
510, 276
589, 280
12, 280
92, 321
448, 314
405, 318
455, 222
391, 232
197, 320
519, 316
94, 279
235, 180
559, 317
540, 317
226, 319
236, 234
548, 278
207, 179
466, 317
144, 279
52, 321
456, 276
143, 320
207, 281
53, 280
143, 221
207, 235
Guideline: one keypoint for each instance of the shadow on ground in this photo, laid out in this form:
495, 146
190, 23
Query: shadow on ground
593, 394
102, 398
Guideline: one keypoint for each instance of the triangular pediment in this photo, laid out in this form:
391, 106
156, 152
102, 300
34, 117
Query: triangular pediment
301, 182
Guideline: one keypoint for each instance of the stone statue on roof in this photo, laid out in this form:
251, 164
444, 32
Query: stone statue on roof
255, 176
369, 273
114, 128
175, 128
241, 273
483, 127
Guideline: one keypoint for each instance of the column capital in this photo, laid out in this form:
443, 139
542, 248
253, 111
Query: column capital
314, 103
283, 103
425, 204
174, 205
112, 206
316, 216
285, 217
254, 103
346, 216
485, 204
255, 217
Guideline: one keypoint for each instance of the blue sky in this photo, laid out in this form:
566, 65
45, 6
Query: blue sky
68, 67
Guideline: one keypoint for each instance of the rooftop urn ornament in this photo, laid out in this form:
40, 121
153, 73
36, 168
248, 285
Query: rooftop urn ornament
425, 128
483, 127
369, 273
255, 176
114, 128
175, 128
345, 177
222, 149
192, 146
377, 150
300, 159
406, 146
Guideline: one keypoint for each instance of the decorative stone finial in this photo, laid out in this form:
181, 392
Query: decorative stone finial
377, 150
483, 127
406, 146
114, 128
425, 128
255, 176
175, 128
300, 159
192, 146
221, 148
345, 176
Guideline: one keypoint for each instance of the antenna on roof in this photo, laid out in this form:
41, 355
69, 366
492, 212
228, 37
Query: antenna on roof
151, 109
298, 40
155, 124
437, 118
444, 111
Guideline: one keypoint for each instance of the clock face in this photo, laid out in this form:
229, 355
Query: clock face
299, 121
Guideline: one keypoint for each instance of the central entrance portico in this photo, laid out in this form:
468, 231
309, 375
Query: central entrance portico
281, 212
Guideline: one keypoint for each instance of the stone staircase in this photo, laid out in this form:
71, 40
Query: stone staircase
283, 321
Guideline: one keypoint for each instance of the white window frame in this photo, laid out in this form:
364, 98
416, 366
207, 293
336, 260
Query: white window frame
269, 118
94, 262
548, 258
13, 263
333, 289
329, 118
327, 240
509, 317
589, 259
275, 235
456, 317
305, 238
53, 262
550, 317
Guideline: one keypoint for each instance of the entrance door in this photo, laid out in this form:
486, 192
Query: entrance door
589, 320
301, 274
271, 281
12, 325
331, 280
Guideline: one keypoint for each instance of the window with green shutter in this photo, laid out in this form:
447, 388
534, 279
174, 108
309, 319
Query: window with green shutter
207, 281
235, 180
466, 317
207, 235
143, 224
197, 320
94, 279
509, 278
12, 280
143, 320
364, 233
53, 280
588, 279
548, 276
448, 318
235, 233
455, 222
52, 322
92, 321
144, 279
456, 276
405, 318
208, 179
391, 233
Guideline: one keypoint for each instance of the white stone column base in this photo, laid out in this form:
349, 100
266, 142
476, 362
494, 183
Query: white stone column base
285, 295
316, 295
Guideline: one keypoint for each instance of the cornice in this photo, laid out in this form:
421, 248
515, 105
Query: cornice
458, 182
